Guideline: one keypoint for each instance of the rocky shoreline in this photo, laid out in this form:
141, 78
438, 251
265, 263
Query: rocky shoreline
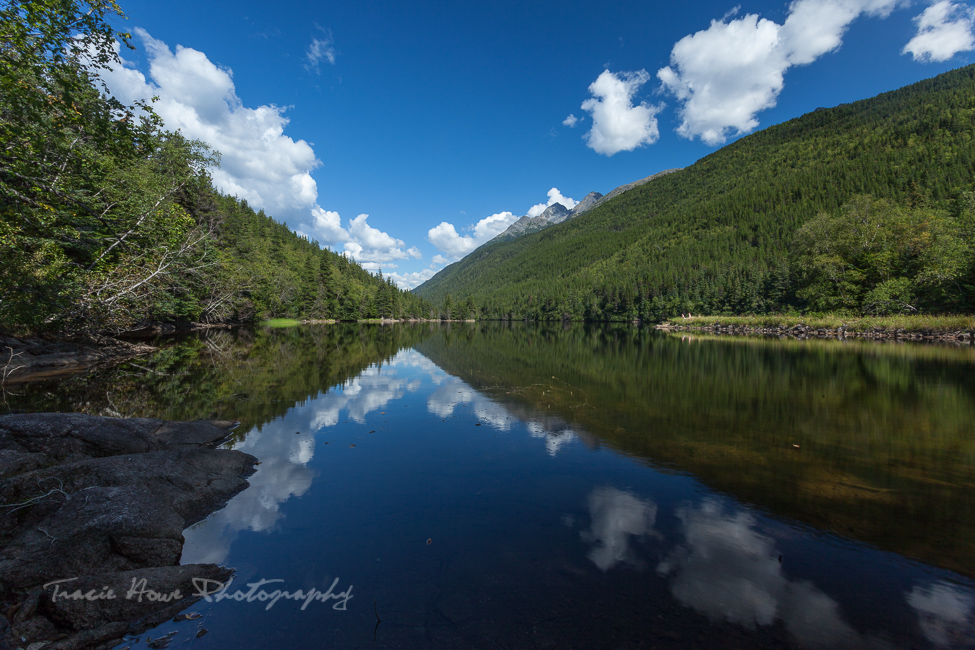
28, 359
31, 358
92, 512
802, 332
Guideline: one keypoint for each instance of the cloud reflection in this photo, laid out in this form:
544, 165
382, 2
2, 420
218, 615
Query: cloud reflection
946, 614
555, 436
282, 474
454, 392
728, 571
618, 518
285, 446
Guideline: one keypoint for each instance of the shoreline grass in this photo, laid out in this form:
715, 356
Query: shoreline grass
281, 322
905, 323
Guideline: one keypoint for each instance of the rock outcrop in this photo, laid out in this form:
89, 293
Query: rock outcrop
93, 506
557, 213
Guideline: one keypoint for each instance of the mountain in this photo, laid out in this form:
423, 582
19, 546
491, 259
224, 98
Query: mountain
765, 224
553, 214
557, 213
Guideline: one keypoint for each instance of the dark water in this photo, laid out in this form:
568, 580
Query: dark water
574, 487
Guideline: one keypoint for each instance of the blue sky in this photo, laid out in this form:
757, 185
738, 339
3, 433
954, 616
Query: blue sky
443, 122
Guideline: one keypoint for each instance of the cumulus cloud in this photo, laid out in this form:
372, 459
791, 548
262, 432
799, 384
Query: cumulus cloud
446, 238
618, 125
328, 225
943, 30
570, 121
319, 50
726, 74
412, 280
259, 163
554, 196
454, 245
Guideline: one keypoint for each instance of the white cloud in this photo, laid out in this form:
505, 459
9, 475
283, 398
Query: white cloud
618, 125
320, 49
490, 227
328, 225
726, 74
943, 30
446, 238
554, 196
371, 237
570, 121
455, 246
371, 246
259, 163
409, 281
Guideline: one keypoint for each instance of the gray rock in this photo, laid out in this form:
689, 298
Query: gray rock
137, 595
192, 481
100, 502
115, 528
72, 436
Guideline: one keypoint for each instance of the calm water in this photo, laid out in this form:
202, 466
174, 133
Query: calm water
490, 486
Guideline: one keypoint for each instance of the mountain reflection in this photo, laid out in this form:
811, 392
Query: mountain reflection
868, 441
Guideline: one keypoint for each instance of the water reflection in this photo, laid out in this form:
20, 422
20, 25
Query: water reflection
282, 474
727, 570
369, 392
618, 519
864, 440
556, 434
285, 447
946, 614
450, 531
453, 393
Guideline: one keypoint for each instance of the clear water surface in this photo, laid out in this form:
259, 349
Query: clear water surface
523, 486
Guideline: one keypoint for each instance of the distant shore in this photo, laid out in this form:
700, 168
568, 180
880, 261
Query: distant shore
959, 329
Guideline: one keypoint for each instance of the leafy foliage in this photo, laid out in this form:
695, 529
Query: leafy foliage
106, 219
875, 257
721, 236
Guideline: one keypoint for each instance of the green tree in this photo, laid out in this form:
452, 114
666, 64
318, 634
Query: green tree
877, 257
89, 224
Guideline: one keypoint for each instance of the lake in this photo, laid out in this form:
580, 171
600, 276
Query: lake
491, 485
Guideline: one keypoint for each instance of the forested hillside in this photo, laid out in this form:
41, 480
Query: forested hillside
107, 219
865, 207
